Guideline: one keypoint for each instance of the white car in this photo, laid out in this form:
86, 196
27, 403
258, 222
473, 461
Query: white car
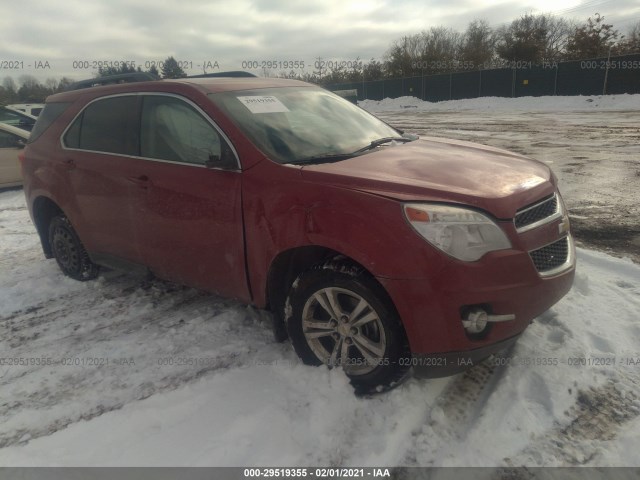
16, 118
30, 108
12, 141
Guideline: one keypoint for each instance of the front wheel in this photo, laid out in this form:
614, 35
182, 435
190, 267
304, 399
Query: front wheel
69, 252
341, 317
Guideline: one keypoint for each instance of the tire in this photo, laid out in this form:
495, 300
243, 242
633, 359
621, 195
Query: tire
69, 252
338, 315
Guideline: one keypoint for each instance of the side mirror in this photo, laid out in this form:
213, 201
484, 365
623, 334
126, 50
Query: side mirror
213, 162
226, 160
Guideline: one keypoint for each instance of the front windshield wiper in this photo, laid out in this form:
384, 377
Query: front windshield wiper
381, 141
329, 158
336, 157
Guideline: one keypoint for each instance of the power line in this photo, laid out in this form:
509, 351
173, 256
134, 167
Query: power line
595, 5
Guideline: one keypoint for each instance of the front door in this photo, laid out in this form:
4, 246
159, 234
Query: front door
189, 216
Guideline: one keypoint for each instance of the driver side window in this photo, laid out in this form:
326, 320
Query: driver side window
173, 130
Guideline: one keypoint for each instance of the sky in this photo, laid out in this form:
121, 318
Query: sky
54, 39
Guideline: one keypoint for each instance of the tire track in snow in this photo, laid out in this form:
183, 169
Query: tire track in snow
456, 409
596, 417
117, 319
146, 390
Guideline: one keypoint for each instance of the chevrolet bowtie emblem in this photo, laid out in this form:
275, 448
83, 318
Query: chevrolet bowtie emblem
563, 226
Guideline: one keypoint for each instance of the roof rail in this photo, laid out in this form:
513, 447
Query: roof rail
234, 74
111, 79
144, 77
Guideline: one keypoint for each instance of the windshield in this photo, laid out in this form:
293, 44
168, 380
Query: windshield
300, 124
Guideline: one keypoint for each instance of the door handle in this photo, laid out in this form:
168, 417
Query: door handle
142, 181
69, 163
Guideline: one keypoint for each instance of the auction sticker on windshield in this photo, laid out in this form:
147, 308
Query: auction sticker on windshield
263, 104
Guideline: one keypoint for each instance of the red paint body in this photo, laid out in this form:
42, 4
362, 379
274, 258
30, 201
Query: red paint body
221, 230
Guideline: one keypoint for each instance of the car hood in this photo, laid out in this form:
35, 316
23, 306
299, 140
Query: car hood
442, 170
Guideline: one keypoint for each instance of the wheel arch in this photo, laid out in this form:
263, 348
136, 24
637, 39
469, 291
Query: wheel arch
43, 210
289, 264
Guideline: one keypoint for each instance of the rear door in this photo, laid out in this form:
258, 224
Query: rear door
103, 176
189, 219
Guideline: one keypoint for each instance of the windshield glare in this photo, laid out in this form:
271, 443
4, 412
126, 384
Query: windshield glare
296, 123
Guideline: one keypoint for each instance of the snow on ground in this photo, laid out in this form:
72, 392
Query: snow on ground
233, 397
125, 371
497, 104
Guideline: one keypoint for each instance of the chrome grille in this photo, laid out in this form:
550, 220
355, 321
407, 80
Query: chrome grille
551, 257
538, 213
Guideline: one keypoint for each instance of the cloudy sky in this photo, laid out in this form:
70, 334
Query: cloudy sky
68, 38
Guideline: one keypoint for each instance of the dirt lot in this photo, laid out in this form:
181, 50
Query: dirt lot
596, 156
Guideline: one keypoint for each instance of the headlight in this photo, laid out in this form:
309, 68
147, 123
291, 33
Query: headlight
464, 234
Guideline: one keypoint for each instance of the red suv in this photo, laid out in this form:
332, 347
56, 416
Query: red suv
376, 251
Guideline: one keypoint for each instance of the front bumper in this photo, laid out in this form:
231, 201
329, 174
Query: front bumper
504, 282
438, 365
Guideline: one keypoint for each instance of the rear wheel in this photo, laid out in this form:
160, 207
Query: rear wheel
69, 252
340, 316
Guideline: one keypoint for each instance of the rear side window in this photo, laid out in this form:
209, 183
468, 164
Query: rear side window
49, 114
107, 125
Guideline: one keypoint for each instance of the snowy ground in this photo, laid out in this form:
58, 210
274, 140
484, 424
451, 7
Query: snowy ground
122, 371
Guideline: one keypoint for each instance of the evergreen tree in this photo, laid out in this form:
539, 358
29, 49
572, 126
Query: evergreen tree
477, 43
171, 69
524, 40
591, 40
116, 70
154, 71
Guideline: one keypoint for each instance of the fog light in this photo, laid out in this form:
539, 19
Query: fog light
476, 321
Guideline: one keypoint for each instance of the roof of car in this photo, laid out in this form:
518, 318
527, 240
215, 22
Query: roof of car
208, 85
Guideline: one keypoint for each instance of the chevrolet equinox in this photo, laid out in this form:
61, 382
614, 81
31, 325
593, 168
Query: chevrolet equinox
376, 251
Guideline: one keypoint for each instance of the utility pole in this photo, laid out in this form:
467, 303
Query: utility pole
606, 72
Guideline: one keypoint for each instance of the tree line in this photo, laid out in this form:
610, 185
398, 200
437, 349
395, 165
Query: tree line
29, 90
530, 40
540, 39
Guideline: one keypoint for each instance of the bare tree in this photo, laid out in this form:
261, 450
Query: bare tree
399, 57
533, 38
432, 51
558, 33
439, 49
631, 41
9, 84
373, 70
